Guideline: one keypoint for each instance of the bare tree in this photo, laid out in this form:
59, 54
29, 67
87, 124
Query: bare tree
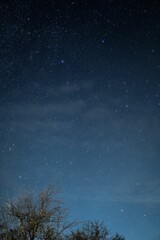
90, 231
28, 218
117, 237
43, 218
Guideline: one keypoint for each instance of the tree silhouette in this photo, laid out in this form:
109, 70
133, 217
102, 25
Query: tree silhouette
117, 237
90, 231
43, 218
28, 218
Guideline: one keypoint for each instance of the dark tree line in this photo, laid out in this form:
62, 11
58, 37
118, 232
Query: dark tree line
43, 218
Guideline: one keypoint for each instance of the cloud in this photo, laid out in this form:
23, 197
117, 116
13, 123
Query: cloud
70, 88
119, 134
43, 110
121, 192
110, 124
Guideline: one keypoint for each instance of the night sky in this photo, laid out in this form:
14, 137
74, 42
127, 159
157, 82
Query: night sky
80, 108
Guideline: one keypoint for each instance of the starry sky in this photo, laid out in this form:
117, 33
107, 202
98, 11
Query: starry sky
80, 108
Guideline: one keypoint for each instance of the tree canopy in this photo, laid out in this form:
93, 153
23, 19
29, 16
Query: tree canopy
44, 218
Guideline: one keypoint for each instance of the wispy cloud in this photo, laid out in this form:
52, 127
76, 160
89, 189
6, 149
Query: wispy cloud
146, 193
125, 133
